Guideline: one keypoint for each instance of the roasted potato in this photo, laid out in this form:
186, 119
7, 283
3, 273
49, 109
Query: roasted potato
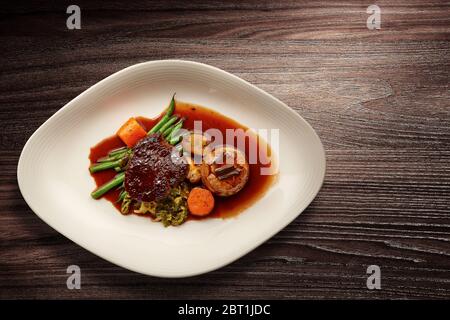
194, 174
195, 143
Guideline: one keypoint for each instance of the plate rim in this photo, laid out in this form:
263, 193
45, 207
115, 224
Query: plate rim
257, 242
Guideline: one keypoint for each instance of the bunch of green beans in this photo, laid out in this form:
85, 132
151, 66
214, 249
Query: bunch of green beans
116, 159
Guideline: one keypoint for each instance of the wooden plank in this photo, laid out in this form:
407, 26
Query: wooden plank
356, 95
268, 20
379, 101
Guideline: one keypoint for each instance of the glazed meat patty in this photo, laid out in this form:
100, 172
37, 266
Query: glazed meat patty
153, 169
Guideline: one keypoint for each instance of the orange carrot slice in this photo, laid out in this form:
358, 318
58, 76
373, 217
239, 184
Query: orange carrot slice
200, 201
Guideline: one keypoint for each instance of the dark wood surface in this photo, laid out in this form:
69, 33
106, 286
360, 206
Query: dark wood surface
379, 100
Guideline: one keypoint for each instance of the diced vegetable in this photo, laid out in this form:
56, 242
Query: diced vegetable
131, 132
200, 201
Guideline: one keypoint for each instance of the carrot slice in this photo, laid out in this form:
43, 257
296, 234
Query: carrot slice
131, 132
200, 201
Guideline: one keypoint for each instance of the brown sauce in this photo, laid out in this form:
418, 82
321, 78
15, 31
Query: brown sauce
225, 207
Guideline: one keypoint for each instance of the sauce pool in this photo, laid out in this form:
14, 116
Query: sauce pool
224, 207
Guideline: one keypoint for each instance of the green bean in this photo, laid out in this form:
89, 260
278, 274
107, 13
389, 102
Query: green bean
106, 159
168, 124
118, 153
167, 132
175, 140
176, 126
100, 191
113, 152
165, 118
113, 158
105, 165
176, 129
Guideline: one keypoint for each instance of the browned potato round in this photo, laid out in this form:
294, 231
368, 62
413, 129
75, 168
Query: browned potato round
224, 170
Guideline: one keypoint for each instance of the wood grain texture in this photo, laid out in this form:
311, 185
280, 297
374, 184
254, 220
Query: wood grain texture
379, 100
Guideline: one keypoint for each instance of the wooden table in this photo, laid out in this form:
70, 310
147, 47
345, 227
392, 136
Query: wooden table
379, 100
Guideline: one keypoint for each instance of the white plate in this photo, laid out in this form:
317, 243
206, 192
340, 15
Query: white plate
54, 179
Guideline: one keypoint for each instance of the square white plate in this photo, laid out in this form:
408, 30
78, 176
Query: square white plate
54, 179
